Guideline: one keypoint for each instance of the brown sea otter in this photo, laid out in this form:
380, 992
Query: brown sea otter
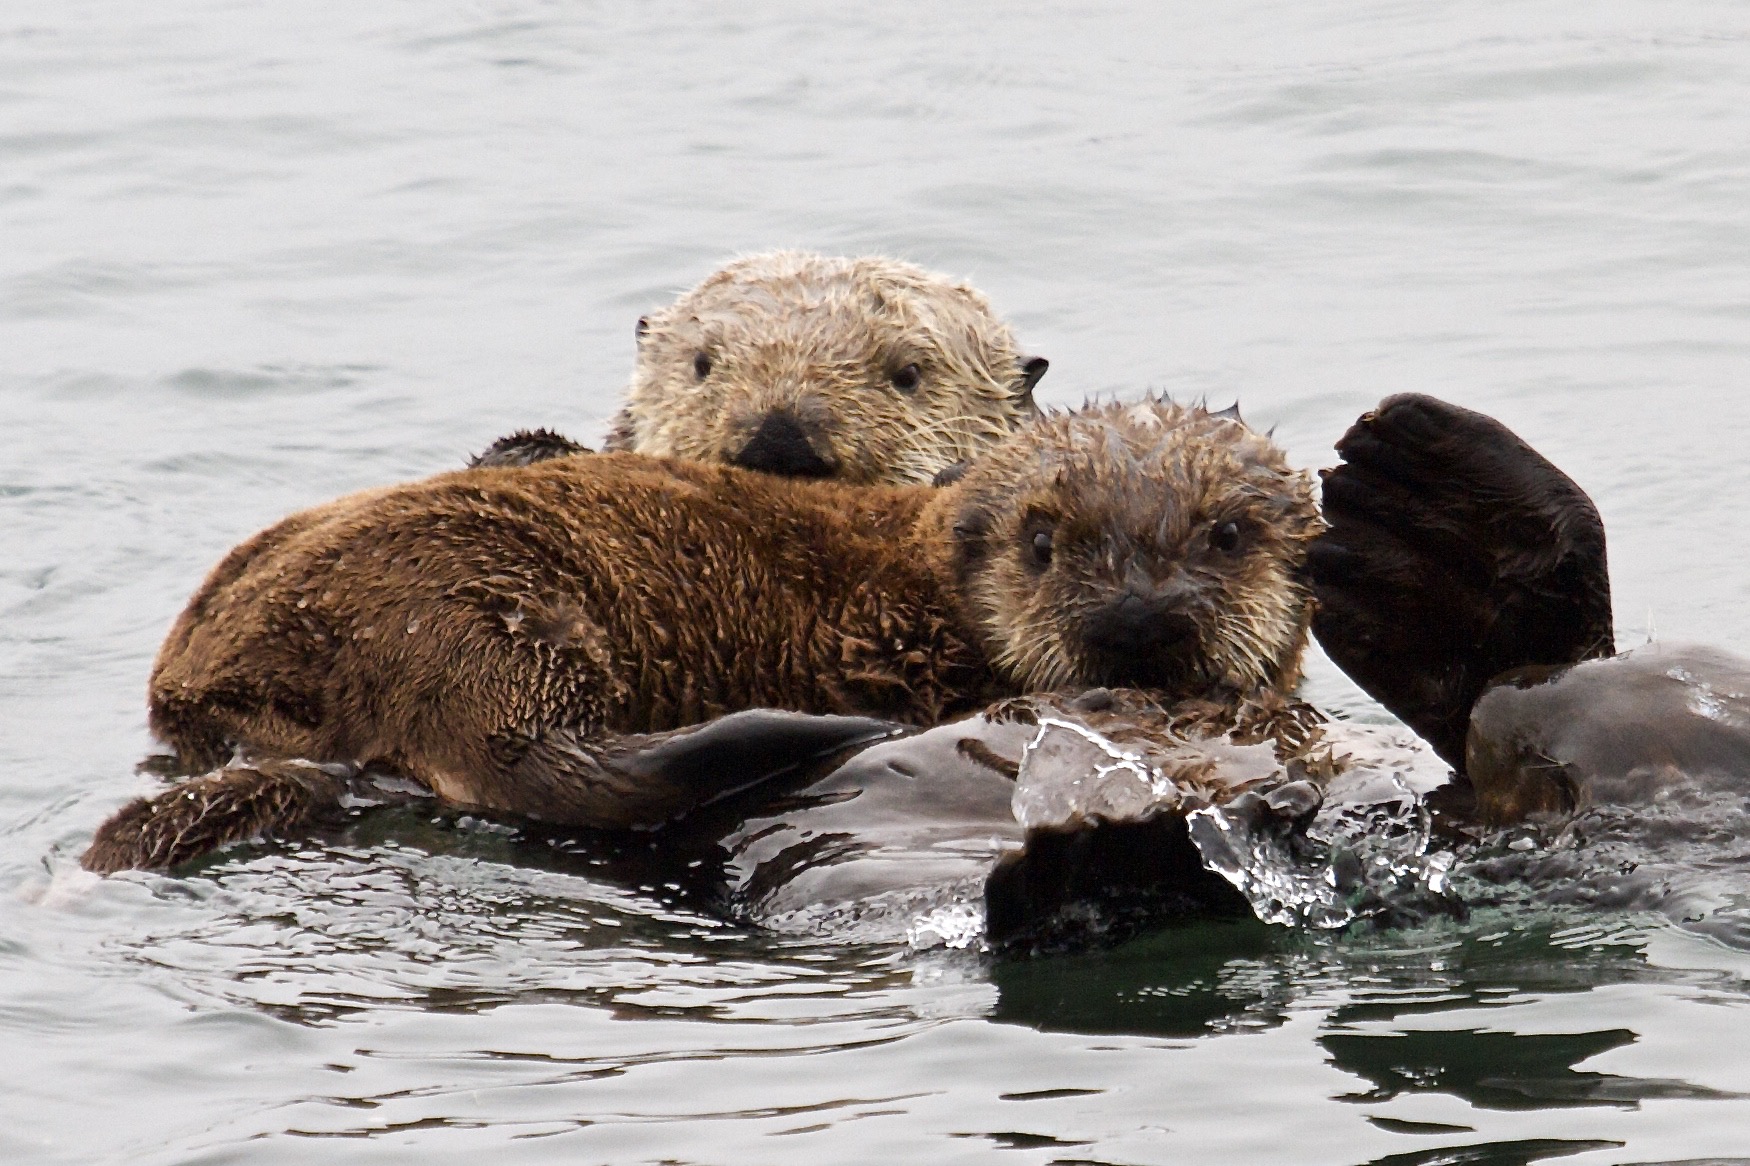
494, 634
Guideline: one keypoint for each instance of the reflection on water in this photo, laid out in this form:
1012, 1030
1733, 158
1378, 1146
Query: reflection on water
1469, 1064
1183, 982
260, 255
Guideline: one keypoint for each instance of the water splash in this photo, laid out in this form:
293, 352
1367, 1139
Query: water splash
1111, 780
1365, 853
1303, 853
959, 926
1260, 865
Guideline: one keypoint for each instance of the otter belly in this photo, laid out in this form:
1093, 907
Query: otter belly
1620, 784
1041, 825
895, 843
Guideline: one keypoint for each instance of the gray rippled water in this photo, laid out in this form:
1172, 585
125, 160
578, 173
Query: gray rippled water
257, 255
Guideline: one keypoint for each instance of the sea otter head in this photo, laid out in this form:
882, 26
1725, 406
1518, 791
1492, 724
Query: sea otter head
864, 370
1148, 545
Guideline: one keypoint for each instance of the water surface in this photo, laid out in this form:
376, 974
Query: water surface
257, 255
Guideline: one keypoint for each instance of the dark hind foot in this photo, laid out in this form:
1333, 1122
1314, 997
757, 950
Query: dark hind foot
641, 782
204, 814
525, 447
1455, 552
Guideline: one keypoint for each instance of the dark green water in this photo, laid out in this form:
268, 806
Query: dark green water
254, 256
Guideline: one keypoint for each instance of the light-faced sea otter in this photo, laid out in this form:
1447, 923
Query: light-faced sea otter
864, 370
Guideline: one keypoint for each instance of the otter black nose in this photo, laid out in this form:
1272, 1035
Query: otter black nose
1139, 626
781, 446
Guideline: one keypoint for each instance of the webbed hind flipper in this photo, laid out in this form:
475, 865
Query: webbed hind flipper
203, 814
1455, 552
645, 781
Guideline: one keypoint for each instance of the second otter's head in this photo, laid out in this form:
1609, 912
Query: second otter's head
1149, 545
864, 370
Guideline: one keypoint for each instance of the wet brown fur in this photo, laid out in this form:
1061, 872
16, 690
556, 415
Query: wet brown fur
210, 811
456, 628
830, 343
485, 632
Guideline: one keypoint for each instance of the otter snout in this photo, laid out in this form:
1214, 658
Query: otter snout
782, 445
1139, 625
1142, 635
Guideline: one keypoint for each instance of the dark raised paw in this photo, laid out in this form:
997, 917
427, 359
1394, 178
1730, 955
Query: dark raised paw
1455, 552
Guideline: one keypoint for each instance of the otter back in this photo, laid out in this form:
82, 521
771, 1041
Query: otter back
444, 627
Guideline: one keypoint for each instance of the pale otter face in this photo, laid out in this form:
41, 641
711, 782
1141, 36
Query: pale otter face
864, 370
1146, 545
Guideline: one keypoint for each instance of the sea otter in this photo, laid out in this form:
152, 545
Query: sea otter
496, 633
865, 370
1454, 549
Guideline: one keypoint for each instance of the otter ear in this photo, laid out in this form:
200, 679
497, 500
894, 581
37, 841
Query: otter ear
643, 328
1032, 369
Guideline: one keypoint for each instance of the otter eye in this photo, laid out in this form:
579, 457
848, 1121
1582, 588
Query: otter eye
702, 365
905, 379
1042, 548
1226, 537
